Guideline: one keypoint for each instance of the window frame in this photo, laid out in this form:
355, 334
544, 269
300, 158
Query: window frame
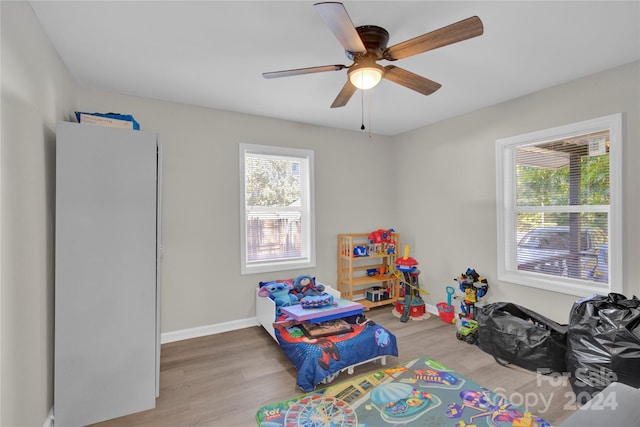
506, 208
308, 258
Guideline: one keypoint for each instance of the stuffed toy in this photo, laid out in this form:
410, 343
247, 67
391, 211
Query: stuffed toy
305, 286
279, 293
310, 294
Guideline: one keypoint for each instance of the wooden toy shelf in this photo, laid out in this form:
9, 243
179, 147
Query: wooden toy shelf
353, 279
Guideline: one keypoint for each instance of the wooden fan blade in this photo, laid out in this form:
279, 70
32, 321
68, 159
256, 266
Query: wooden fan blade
299, 71
459, 31
337, 19
344, 96
410, 80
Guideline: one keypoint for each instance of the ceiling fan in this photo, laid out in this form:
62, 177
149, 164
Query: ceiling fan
367, 44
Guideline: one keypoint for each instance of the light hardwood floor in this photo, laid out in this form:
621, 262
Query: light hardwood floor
222, 380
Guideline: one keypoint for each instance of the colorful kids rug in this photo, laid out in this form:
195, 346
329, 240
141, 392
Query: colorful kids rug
422, 392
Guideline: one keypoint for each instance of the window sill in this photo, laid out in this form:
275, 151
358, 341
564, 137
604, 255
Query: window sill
561, 285
278, 266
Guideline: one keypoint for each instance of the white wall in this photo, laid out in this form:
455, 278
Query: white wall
451, 169
37, 91
201, 281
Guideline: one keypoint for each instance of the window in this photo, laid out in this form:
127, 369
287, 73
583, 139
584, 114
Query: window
277, 229
559, 208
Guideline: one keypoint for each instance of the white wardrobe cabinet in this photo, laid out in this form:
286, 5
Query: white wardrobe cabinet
107, 241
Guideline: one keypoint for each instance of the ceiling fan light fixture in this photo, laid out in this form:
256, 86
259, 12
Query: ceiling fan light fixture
367, 44
365, 76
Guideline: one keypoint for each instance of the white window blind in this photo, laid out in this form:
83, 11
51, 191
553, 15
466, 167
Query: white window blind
277, 208
558, 207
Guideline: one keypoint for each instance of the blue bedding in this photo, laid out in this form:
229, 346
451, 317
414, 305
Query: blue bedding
317, 358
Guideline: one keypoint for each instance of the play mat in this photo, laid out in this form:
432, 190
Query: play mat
422, 392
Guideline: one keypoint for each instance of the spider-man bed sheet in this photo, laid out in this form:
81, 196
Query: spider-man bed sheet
319, 358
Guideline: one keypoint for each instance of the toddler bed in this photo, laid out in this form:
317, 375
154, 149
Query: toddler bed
320, 360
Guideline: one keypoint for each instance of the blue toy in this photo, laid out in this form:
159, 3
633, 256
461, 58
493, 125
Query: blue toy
310, 294
450, 292
474, 288
360, 250
305, 286
279, 293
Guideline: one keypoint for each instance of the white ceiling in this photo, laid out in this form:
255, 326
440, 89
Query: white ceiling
212, 53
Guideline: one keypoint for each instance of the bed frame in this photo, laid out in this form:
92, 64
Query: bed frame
266, 314
266, 310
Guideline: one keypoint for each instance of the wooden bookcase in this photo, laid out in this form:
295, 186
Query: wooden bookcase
353, 278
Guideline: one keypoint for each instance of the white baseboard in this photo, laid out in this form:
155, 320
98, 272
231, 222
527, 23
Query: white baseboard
201, 331
431, 309
49, 421
185, 334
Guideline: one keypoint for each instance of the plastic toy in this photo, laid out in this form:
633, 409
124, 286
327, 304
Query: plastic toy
360, 250
474, 287
279, 293
468, 331
380, 241
391, 248
411, 305
447, 312
450, 292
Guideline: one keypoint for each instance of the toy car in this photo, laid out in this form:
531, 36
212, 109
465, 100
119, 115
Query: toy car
468, 331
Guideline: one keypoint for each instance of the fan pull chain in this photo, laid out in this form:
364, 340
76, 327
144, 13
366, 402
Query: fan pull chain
369, 99
362, 108
362, 127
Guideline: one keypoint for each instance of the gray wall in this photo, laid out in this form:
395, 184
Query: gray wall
201, 281
446, 211
452, 168
439, 192
37, 91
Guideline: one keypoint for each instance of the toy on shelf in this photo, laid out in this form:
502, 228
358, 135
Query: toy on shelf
360, 251
474, 287
381, 242
411, 304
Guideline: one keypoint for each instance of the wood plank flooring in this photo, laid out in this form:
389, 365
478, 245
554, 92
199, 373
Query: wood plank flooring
222, 380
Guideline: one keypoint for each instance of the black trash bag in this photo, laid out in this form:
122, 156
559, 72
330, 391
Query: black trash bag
518, 335
603, 344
